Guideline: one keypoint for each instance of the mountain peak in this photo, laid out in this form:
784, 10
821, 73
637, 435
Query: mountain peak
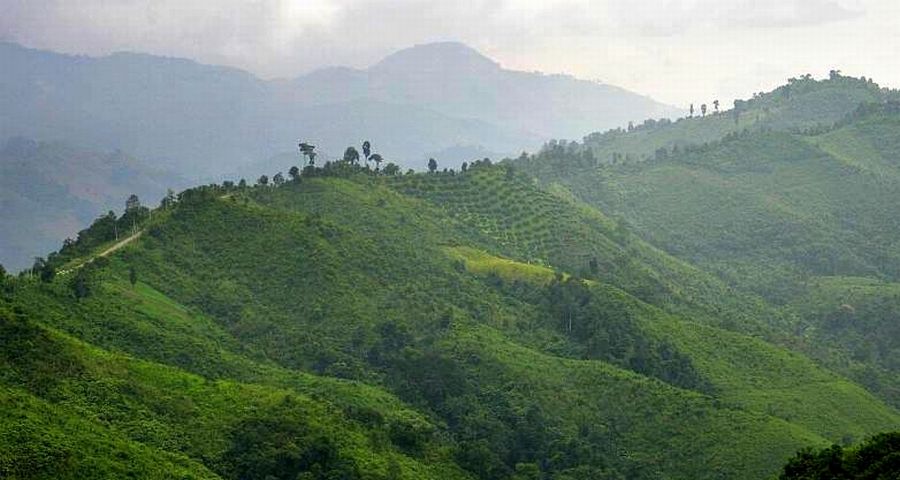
438, 56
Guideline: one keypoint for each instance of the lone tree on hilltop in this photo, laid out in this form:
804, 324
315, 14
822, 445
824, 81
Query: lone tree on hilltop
716, 105
367, 150
263, 180
432, 165
133, 209
294, 173
692, 110
132, 204
391, 169
351, 156
703, 110
278, 179
169, 200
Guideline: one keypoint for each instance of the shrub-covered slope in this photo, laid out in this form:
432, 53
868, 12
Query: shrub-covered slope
77, 411
803, 104
380, 327
801, 219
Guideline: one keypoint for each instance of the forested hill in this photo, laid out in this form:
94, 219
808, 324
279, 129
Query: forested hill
798, 208
803, 104
343, 323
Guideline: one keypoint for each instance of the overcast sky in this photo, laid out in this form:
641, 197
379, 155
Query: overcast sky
677, 51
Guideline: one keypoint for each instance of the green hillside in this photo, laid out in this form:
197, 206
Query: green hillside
800, 217
551, 227
348, 325
803, 104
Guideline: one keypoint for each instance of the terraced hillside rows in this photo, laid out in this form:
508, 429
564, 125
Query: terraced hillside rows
360, 326
786, 216
552, 227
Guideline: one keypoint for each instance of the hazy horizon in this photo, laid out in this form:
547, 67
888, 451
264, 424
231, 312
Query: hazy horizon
675, 52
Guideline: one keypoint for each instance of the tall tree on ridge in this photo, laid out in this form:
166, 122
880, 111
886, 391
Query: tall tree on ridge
351, 156
132, 209
308, 151
132, 203
367, 151
377, 158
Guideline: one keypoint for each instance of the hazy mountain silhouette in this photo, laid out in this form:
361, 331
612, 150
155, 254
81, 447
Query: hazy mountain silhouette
202, 120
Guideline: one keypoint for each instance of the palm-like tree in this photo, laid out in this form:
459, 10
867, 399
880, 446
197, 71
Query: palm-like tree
367, 151
377, 159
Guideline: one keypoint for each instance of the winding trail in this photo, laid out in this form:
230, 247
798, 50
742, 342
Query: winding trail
122, 243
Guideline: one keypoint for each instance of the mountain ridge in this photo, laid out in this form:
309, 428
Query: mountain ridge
332, 286
181, 114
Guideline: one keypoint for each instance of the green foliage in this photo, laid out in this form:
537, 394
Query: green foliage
877, 458
441, 325
236, 430
284, 447
796, 213
86, 279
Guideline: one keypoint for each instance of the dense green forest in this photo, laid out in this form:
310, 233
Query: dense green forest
877, 458
705, 313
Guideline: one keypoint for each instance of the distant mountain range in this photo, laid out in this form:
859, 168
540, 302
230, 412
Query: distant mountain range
444, 100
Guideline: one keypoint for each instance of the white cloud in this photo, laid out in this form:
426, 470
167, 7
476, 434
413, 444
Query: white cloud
674, 50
